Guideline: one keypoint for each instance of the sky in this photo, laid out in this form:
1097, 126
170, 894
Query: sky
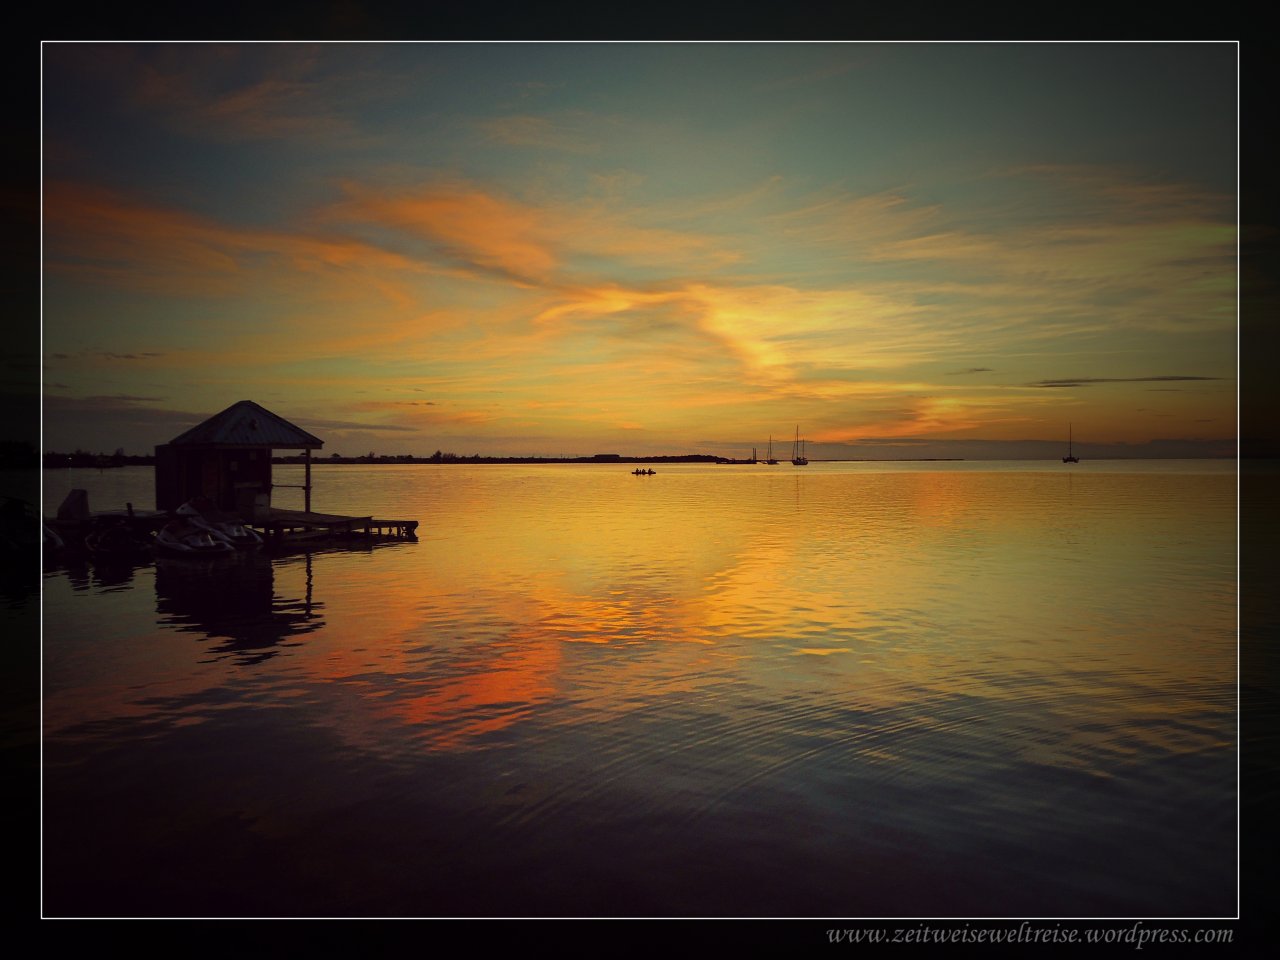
896, 249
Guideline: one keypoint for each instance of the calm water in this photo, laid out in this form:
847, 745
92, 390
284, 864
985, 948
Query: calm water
875, 690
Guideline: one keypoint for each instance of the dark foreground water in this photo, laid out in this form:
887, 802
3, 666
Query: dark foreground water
969, 690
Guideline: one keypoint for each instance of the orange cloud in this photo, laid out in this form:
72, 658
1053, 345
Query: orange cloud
468, 224
528, 243
93, 233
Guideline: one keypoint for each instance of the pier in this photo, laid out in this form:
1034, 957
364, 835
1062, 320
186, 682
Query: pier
278, 525
279, 528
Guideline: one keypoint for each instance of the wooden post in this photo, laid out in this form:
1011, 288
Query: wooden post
306, 498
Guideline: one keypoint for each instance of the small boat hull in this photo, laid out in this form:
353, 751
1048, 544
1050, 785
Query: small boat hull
224, 528
1071, 454
180, 539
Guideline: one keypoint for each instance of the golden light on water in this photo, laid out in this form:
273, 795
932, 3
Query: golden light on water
679, 660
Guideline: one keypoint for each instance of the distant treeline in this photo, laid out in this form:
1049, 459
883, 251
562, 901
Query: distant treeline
102, 461
81, 458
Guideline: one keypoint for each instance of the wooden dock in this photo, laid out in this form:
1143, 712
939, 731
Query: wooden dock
295, 525
278, 527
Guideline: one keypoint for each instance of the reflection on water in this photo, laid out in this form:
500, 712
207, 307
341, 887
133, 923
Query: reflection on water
233, 601
718, 691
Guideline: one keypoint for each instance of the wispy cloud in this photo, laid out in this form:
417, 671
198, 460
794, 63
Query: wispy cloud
207, 92
122, 398
1088, 248
314, 423
542, 244
106, 237
853, 226
540, 133
1086, 381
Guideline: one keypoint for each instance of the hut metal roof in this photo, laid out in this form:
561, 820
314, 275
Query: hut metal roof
245, 424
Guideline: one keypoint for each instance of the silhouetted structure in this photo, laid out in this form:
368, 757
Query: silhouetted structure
228, 459
1070, 457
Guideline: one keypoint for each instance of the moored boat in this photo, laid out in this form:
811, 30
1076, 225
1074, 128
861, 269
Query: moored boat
1070, 457
200, 512
797, 451
181, 538
769, 457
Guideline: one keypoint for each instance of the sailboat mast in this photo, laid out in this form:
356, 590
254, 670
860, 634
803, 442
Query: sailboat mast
1071, 453
797, 450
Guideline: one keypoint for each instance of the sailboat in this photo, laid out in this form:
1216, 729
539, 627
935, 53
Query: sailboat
769, 457
797, 451
1070, 457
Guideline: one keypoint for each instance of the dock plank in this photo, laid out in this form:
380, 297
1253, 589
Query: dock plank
280, 523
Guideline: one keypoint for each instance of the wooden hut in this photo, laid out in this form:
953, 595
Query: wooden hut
228, 459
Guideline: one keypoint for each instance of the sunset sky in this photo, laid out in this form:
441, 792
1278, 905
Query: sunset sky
563, 249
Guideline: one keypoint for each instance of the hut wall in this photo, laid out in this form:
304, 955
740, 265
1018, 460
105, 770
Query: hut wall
168, 483
245, 473
228, 477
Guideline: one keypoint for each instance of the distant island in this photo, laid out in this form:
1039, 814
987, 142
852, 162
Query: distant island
80, 458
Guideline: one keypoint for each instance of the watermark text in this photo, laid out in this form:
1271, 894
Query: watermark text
1136, 935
